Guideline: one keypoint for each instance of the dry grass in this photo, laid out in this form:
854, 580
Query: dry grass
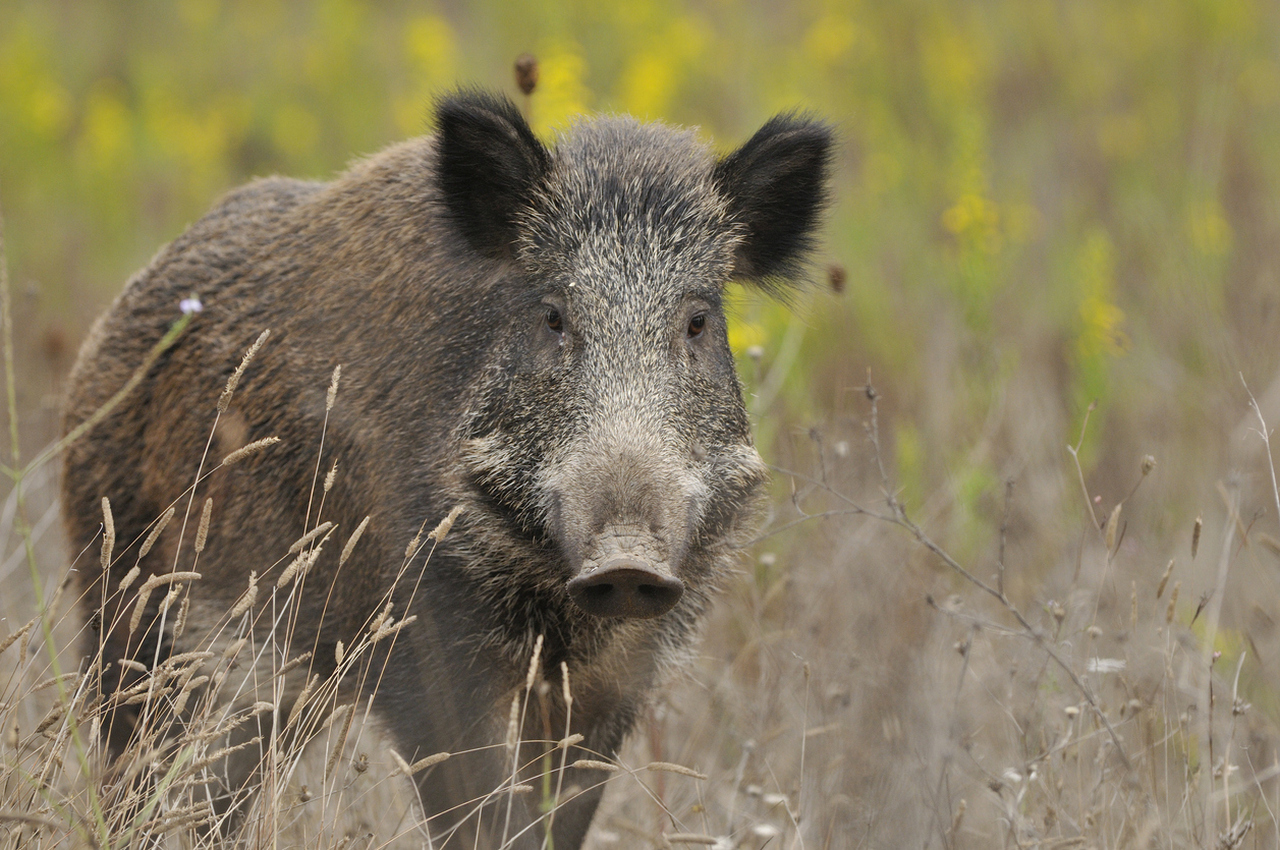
859, 686
1089, 674
864, 688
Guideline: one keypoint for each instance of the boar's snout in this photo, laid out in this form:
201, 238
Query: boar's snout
626, 587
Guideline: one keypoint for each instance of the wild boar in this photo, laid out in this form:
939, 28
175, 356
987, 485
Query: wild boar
532, 334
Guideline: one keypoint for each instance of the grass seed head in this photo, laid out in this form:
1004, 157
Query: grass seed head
224, 400
1164, 579
1173, 602
249, 449
202, 532
302, 542
155, 533
424, 763
301, 702
532, 675
245, 602
108, 533
129, 578
438, 533
332, 395
352, 541
669, 767
594, 764
391, 627
144, 596
9, 640
513, 723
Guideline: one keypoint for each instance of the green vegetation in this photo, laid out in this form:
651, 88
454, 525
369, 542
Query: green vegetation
1038, 207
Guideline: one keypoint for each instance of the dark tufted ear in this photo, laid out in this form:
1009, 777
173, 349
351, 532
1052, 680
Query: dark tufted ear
776, 185
489, 165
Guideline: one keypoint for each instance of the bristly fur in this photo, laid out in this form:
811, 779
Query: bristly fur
532, 333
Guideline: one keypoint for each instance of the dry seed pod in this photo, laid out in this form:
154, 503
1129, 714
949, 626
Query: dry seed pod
836, 278
1195, 537
1112, 522
527, 73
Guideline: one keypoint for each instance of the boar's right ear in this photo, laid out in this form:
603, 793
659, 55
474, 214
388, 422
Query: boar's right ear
489, 165
776, 186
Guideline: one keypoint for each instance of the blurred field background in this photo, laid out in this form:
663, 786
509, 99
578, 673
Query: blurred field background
1038, 207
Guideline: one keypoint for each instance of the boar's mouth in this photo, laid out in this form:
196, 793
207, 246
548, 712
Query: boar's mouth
625, 577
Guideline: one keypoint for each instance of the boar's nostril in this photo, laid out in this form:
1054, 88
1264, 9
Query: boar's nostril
626, 587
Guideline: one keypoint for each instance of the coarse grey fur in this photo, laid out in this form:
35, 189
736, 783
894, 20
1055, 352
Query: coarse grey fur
533, 334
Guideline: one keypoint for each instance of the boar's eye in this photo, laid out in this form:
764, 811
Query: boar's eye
697, 324
554, 322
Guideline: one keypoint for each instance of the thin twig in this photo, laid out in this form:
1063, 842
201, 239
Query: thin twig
1266, 441
1004, 530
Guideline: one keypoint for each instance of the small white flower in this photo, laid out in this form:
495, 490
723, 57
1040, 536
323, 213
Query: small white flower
191, 305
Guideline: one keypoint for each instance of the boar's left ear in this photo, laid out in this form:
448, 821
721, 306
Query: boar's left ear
776, 186
489, 165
